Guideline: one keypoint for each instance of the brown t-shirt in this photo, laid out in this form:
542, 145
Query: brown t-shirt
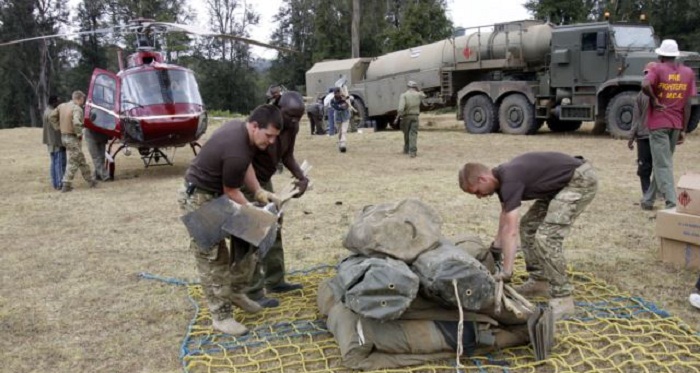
265, 162
223, 160
536, 175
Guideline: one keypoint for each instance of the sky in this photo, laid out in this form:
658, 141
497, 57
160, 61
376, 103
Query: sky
465, 13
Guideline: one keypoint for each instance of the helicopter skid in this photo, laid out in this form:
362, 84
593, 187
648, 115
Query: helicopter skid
156, 157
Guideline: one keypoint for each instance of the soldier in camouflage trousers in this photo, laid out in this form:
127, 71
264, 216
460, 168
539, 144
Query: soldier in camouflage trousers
561, 186
69, 118
224, 275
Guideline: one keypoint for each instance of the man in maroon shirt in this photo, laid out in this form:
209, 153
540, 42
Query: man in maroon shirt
669, 86
271, 272
562, 186
220, 168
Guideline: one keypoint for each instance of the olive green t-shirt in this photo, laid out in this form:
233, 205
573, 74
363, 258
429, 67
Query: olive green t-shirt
223, 160
536, 175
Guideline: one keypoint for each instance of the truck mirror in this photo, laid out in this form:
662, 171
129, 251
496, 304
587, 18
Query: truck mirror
601, 42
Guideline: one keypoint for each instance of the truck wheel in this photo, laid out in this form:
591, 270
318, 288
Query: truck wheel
557, 125
360, 118
516, 115
619, 114
480, 115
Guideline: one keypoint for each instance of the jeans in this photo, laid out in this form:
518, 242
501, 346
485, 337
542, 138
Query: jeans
331, 121
58, 168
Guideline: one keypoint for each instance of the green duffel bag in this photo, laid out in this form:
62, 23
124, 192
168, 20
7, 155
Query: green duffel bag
438, 267
376, 288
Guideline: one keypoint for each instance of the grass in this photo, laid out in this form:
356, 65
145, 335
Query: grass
71, 300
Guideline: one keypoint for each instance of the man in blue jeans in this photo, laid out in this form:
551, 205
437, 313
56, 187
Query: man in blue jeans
52, 139
330, 113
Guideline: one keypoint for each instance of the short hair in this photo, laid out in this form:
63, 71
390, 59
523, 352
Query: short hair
53, 100
291, 100
336, 90
470, 172
266, 115
78, 95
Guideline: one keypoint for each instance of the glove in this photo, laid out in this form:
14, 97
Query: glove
497, 254
265, 197
301, 185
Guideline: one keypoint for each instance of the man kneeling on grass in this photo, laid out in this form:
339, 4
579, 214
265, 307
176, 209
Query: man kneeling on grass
562, 186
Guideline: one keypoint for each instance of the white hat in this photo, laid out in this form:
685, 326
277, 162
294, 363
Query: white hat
412, 84
668, 48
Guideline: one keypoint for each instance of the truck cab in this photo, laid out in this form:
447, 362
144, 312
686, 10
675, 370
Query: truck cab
595, 72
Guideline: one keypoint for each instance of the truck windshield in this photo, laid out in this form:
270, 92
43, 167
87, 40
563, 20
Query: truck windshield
634, 37
155, 87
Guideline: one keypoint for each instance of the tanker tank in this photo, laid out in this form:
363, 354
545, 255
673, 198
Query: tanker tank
521, 43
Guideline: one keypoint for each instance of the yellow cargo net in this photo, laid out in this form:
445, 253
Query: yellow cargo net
610, 332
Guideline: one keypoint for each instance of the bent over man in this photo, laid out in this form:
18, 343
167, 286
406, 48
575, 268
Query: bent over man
562, 186
220, 168
270, 274
69, 116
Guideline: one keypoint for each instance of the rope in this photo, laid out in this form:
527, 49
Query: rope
460, 326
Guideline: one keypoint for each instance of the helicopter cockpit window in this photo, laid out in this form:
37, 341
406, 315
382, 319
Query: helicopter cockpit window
103, 98
154, 87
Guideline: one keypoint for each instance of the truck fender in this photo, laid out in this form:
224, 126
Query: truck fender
495, 90
610, 88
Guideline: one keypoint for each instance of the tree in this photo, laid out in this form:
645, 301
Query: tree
27, 68
560, 12
417, 23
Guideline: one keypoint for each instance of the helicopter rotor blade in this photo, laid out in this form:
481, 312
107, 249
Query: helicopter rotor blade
43, 37
197, 31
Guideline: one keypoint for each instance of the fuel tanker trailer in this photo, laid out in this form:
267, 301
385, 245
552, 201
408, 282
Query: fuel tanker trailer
512, 77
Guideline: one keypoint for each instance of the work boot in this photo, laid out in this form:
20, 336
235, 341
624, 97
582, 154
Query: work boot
562, 307
264, 302
534, 288
93, 183
412, 155
284, 287
694, 300
246, 304
229, 326
66, 188
647, 206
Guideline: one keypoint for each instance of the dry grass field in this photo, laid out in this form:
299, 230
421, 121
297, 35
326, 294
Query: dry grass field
71, 299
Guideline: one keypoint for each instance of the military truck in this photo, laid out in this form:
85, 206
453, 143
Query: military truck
512, 77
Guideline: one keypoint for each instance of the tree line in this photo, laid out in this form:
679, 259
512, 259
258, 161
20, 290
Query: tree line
229, 76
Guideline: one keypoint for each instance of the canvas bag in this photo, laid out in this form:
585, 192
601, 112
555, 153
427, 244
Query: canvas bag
375, 288
401, 230
436, 269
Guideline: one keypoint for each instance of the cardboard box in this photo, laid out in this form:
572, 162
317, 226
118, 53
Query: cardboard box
688, 194
680, 238
678, 226
680, 253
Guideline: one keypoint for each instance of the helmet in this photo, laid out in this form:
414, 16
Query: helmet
412, 84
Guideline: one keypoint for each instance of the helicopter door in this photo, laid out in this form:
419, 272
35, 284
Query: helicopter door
102, 105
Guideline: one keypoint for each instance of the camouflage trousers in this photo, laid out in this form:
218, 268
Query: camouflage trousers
270, 270
223, 273
76, 159
409, 127
548, 222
